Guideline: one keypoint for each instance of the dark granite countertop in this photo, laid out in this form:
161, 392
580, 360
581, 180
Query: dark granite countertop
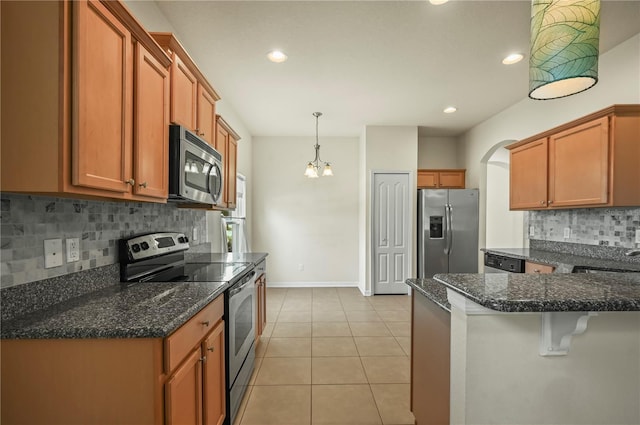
565, 262
142, 310
433, 290
519, 292
94, 304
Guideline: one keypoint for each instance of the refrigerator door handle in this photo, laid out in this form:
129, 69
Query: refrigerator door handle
447, 210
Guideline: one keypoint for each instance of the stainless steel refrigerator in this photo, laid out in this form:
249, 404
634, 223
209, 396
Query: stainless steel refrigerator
447, 231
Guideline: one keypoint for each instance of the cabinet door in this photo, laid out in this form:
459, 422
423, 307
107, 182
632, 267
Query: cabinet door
579, 165
206, 116
451, 179
183, 392
528, 176
184, 93
530, 267
427, 179
102, 99
232, 151
214, 379
222, 142
151, 124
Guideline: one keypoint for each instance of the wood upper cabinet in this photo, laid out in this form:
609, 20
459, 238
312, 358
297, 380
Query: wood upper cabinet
151, 132
528, 170
206, 126
99, 86
193, 99
227, 145
102, 118
441, 179
590, 162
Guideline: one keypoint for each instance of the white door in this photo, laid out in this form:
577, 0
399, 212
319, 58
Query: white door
391, 233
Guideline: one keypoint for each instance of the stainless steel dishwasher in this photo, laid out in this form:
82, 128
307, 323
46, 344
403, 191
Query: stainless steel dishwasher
494, 263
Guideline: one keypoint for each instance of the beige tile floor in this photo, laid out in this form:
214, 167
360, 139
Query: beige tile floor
331, 356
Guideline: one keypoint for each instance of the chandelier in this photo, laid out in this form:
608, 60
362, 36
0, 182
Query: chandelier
313, 167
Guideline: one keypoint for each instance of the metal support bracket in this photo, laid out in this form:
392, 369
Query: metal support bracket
557, 329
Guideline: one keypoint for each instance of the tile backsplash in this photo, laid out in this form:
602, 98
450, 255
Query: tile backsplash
593, 226
28, 220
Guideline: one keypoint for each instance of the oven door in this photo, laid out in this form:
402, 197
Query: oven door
242, 313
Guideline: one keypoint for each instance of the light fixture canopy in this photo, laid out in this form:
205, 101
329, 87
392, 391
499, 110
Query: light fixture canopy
449, 109
512, 58
313, 167
564, 47
277, 56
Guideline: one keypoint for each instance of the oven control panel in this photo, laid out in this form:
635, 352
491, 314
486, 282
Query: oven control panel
154, 244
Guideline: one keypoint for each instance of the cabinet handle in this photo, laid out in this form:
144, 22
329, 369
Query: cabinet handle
143, 184
211, 349
205, 323
132, 182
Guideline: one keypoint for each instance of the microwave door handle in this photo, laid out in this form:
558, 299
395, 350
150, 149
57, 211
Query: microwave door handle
212, 190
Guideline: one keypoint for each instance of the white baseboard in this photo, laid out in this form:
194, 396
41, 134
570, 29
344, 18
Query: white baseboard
273, 284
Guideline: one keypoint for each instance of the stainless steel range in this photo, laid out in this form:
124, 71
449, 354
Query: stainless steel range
160, 257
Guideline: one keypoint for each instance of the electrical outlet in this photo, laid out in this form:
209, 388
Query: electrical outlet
300, 267
567, 232
532, 231
637, 235
195, 234
73, 250
52, 253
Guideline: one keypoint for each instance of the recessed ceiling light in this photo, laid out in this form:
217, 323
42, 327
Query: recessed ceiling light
512, 58
450, 109
438, 2
276, 56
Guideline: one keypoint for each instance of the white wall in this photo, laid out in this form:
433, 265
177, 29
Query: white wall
437, 152
384, 148
619, 82
505, 228
302, 221
153, 20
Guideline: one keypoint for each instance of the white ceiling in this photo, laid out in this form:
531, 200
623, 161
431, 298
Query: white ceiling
368, 62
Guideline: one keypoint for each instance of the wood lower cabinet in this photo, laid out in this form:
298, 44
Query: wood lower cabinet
430, 361
176, 380
261, 315
589, 162
193, 99
531, 267
92, 94
441, 179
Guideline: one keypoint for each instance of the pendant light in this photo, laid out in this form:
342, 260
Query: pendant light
313, 167
564, 47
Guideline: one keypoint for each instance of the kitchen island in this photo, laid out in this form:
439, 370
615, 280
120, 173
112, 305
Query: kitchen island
543, 349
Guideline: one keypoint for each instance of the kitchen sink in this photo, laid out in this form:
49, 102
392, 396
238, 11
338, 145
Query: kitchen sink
592, 269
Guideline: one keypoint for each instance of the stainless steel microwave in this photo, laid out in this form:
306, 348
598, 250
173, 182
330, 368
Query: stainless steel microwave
195, 168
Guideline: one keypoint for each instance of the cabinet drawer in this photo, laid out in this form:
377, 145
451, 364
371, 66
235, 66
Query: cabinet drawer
185, 338
530, 267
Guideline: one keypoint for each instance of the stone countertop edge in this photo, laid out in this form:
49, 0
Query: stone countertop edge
433, 290
517, 293
246, 257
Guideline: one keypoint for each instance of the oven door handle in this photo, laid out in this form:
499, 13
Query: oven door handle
245, 281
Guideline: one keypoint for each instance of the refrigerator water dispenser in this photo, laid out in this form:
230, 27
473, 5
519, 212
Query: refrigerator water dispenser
435, 227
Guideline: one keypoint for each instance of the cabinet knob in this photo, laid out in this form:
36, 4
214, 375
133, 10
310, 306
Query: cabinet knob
202, 359
131, 182
143, 184
205, 323
536, 271
550, 202
542, 202
201, 134
211, 349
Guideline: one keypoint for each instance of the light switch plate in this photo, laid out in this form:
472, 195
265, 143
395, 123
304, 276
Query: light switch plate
567, 232
52, 253
637, 235
532, 231
195, 234
73, 250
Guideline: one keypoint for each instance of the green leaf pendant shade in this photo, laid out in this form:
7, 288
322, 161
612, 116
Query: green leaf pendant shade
564, 47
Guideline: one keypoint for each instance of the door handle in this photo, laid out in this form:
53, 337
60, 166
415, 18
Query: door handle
447, 213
